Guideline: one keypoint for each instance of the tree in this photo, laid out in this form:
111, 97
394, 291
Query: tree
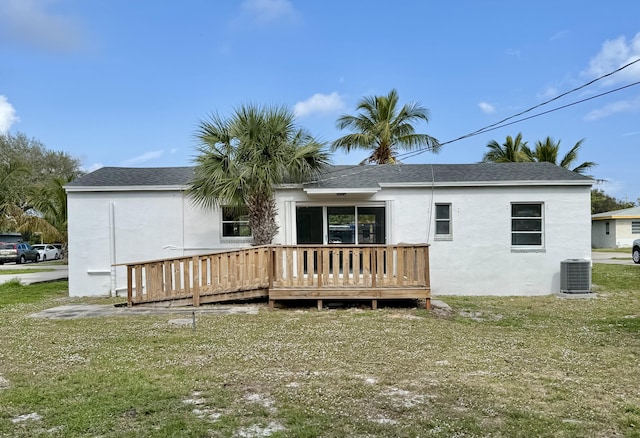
38, 164
50, 202
511, 151
30, 177
383, 129
548, 150
601, 202
243, 157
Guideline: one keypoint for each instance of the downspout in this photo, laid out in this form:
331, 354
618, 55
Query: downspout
112, 248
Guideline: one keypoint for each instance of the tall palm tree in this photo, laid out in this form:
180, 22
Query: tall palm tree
383, 129
512, 150
243, 157
548, 150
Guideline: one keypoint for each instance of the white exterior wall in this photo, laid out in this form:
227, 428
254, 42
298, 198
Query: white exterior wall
479, 259
148, 225
624, 236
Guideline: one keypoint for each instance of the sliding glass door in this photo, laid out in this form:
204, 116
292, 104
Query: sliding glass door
340, 225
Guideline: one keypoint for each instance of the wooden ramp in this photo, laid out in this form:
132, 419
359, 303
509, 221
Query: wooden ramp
285, 272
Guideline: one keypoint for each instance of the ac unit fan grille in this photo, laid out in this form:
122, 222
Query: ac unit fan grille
575, 276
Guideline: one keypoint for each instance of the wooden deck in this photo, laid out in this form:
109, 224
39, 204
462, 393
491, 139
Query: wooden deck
285, 272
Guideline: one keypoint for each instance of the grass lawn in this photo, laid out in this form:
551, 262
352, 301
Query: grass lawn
622, 250
24, 271
500, 367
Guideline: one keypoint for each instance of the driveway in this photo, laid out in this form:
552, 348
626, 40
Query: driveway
58, 272
618, 258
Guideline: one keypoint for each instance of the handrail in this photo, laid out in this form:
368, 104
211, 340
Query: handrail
256, 271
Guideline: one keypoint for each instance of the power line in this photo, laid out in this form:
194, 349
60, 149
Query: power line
501, 123
573, 90
494, 126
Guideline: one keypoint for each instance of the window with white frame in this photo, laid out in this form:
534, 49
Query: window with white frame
606, 228
443, 221
527, 224
635, 227
235, 222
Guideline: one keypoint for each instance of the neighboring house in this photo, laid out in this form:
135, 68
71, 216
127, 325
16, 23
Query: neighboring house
615, 229
494, 229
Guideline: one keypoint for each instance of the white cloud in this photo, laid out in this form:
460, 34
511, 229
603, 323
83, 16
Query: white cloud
7, 115
559, 35
29, 22
632, 133
621, 106
613, 55
266, 11
487, 108
513, 52
320, 103
147, 156
93, 167
547, 93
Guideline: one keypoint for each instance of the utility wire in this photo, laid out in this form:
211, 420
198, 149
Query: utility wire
326, 176
573, 90
494, 126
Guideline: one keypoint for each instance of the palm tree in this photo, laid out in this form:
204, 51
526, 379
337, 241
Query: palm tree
383, 129
548, 149
50, 202
242, 158
512, 150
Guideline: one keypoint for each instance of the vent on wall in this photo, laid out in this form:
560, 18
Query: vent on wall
575, 276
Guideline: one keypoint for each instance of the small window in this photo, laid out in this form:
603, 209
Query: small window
635, 227
526, 224
606, 228
443, 221
235, 222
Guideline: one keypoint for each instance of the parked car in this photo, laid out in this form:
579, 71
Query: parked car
47, 251
18, 253
635, 252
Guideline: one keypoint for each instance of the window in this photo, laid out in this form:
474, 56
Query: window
606, 228
526, 224
443, 221
635, 227
235, 222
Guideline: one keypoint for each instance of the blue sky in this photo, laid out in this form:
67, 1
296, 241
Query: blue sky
125, 83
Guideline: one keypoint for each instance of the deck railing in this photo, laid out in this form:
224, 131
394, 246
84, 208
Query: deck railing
242, 273
350, 272
283, 272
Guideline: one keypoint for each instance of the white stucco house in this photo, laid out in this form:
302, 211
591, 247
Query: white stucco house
615, 229
494, 229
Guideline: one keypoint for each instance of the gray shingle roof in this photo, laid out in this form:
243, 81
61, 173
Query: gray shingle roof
372, 176
135, 176
353, 176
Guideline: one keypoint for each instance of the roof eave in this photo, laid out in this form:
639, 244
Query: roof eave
530, 183
148, 188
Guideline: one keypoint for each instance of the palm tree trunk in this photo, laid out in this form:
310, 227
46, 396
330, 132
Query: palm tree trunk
262, 218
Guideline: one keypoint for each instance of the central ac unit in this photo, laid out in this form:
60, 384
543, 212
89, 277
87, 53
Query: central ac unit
575, 276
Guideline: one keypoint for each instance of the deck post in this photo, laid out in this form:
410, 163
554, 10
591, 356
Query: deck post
319, 303
374, 267
129, 286
374, 304
195, 277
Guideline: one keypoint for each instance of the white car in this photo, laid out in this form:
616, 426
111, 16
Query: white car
47, 252
635, 252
